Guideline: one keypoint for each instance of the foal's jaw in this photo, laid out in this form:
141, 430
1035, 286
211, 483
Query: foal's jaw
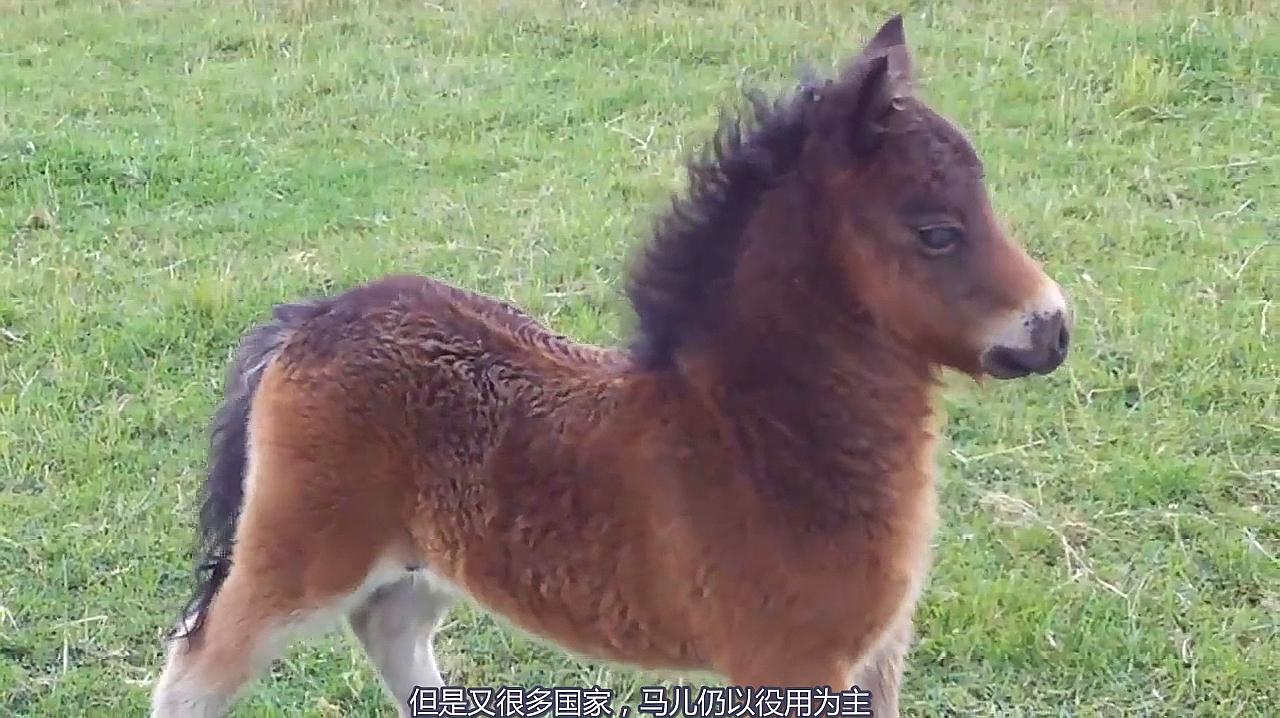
1031, 339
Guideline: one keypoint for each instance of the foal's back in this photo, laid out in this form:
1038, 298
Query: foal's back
435, 384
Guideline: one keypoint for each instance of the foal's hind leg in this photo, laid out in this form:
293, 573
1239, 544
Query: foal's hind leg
249, 623
244, 629
302, 560
396, 625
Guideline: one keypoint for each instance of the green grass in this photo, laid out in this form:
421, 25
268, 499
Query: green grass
169, 170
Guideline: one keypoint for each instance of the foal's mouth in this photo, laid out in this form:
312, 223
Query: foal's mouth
1006, 363
1050, 336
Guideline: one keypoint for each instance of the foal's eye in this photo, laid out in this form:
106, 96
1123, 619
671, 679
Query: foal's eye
940, 239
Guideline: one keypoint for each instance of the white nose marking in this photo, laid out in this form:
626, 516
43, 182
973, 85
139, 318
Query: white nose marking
1049, 300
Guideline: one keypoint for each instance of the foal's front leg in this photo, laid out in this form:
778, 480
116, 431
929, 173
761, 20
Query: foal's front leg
792, 672
881, 675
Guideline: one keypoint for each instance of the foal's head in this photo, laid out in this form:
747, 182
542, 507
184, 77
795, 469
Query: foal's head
912, 231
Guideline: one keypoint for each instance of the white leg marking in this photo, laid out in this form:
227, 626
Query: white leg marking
396, 626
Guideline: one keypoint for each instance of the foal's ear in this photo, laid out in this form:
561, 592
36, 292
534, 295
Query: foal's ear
890, 35
878, 80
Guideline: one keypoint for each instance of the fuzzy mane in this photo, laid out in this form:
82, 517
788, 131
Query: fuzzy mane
679, 284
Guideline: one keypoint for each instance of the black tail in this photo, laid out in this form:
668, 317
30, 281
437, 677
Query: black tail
223, 491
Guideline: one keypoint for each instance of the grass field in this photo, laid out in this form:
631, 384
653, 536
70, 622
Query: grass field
168, 170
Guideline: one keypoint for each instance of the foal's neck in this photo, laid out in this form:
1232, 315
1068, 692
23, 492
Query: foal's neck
831, 411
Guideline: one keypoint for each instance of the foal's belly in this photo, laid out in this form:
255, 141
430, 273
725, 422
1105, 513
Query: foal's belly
561, 558
585, 605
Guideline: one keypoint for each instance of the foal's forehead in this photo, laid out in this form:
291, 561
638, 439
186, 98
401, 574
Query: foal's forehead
941, 144
932, 167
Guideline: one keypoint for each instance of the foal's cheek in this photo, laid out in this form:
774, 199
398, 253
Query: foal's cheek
953, 297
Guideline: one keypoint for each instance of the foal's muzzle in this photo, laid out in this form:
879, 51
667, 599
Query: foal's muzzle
1048, 337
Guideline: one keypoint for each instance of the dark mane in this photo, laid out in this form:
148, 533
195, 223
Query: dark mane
679, 283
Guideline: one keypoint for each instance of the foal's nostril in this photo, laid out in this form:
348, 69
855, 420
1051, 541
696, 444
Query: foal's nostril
1049, 340
1064, 339
1052, 335
1046, 331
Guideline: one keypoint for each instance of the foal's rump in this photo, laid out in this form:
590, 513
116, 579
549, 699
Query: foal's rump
315, 330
